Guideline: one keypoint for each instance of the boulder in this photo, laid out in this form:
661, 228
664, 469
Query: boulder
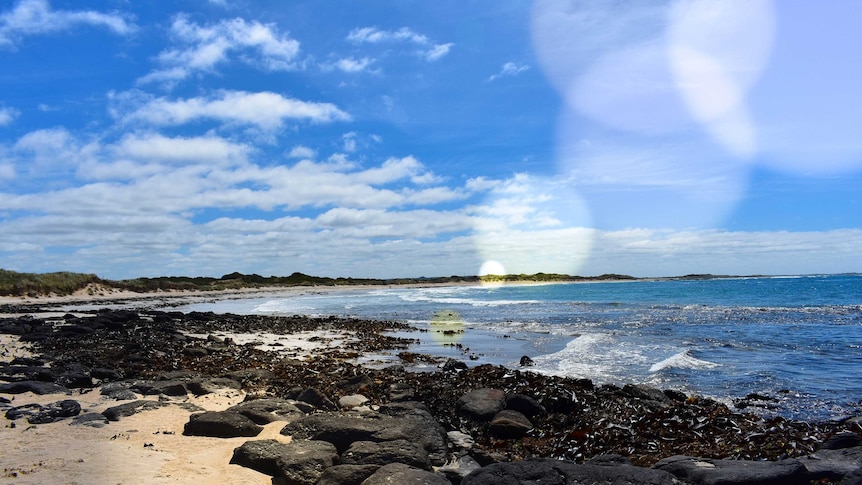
306, 462
400, 473
221, 424
343, 429
385, 452
400, 391
352, 401
93, 420
551, 471
705, 471
317, 399
509, 424
260, 455
482, 404
168, 388
296, 462
267, 410
346, 474
833, 464
114, 413
525, 405
36, 387
459, 468
38, 414
200, 387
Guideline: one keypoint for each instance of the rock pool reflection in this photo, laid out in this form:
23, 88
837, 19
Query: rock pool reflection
447, 327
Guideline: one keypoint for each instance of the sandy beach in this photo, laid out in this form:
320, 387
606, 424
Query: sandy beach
142, 348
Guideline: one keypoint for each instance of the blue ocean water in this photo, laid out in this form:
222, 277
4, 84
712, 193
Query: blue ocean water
798, 339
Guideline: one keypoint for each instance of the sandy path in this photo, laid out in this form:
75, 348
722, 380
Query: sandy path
145, 448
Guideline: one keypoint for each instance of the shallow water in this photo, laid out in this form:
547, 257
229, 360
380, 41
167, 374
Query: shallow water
796, 338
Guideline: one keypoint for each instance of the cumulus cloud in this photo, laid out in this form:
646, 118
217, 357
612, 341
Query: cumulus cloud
509, 69
7, 115
202, 47
301, 151
33, 17
266, 110
159, 148
372, 35
350, 64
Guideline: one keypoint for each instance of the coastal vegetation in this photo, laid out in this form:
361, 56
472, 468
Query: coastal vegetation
65, 283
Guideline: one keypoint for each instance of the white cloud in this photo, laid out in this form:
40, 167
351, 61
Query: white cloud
373, 35
351, 65
301, 151
349, 140
265, 110
437, 52
202, 48
7, 171
33, 17
7, 115
509, 69
206, 149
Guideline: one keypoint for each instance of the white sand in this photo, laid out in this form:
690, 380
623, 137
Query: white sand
120, 452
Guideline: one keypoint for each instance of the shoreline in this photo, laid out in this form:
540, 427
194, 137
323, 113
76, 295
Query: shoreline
579, 420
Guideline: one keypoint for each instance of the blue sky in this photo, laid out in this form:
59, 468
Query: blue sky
399, 139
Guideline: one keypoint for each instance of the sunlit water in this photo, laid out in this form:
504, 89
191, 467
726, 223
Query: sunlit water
798, 339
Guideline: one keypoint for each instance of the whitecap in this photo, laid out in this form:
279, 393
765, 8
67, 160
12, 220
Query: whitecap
683, 360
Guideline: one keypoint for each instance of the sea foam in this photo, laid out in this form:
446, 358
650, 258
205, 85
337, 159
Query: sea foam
682, 360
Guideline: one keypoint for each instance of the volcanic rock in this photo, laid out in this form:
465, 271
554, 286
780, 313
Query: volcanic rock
385, 452
221, 424
551, 471
400, 473
482, 404
705, 471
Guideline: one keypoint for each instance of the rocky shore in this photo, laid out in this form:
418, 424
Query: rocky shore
340, 422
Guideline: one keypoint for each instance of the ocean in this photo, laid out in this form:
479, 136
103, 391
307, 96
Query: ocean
797, 340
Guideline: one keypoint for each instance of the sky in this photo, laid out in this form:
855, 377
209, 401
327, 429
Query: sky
392, 139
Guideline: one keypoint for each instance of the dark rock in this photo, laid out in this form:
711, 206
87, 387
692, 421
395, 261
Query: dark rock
551, 472
646, 393
852, 478
106, 374
251, 376
306, 461
267, 410
482, 404
317, 399
343, 429
705, 471
675, 395
403, 474
832, 464
301, 460
199, 387
400, 391
114, 413
195, 351
508, 424
75, 380
346, 474
221, 424
36, 387
453, 365
38, 414
460, 467
118, 390
168, 388
526, 361
385, 452
846, 439
609, 460
94, 420
357, 384
525, 405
